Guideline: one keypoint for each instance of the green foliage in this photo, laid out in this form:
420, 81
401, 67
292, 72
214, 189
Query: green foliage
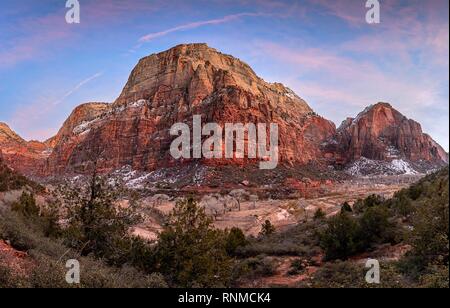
297, 266
430, 220
26, 205
349, 274
267, 229
402, 205
347, 235
48, 257
319, 214
7, 279
338, 275
97, 224
11, 180
253, 268
190, 251
375, 227
371, 201
342, 237
346, 208
234, 240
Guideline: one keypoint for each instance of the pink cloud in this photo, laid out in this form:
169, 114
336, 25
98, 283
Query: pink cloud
34, 37
37, 35
342, 85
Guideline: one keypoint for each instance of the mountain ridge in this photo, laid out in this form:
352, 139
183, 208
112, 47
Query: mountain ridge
194, 79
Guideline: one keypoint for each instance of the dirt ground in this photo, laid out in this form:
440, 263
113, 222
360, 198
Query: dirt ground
281, 213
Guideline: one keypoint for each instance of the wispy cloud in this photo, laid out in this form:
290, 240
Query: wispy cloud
38, 35
31, 120
338, 86
197, 24
77, 87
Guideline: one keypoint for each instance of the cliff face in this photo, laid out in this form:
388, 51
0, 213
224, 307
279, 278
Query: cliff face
187, 80
24, 157
173, 86
382, 133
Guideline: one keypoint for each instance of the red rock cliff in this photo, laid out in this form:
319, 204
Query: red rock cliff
382, 133
171, 87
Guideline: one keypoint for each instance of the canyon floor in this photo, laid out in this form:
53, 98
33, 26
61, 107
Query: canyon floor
286, 213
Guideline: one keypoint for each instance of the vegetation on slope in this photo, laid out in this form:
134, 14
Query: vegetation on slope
192, 253
416, 217
10, 180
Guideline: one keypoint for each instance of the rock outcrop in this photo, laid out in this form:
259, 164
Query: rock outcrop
24, 157
381, 133
172, 87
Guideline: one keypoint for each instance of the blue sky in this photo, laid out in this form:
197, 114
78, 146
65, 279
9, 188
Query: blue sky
322, 49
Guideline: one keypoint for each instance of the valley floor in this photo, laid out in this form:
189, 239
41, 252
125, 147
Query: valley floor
285, 213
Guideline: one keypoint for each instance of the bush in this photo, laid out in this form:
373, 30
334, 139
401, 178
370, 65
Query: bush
341, 239
190, 251
10, 180
297, 266
7, 279
96, 224
338, 275
352, 275
402, 205
267, 229
235, 239
253, 268
346, 208
49, 256
26, 205
371, 201
319, 214
375, 227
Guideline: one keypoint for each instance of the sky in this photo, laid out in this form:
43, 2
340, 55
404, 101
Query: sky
322, 49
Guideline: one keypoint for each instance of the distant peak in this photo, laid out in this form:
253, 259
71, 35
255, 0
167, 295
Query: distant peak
3, 125
382, 104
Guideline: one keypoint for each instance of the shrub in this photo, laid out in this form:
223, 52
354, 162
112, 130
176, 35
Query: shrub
297, 266
436, 277
375, 227
190, 251
7, 279
96, 224
319, 214
338, 275
346, 208
341, 239
26, 205
253, 268
235, 239
267, 229
371, 201
402, 205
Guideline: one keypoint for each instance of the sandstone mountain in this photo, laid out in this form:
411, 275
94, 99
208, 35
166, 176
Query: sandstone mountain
381, 133
187, 80
25, 157
172, 87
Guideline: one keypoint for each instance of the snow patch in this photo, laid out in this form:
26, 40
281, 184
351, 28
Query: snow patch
402, 167
84, 126
366, 167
